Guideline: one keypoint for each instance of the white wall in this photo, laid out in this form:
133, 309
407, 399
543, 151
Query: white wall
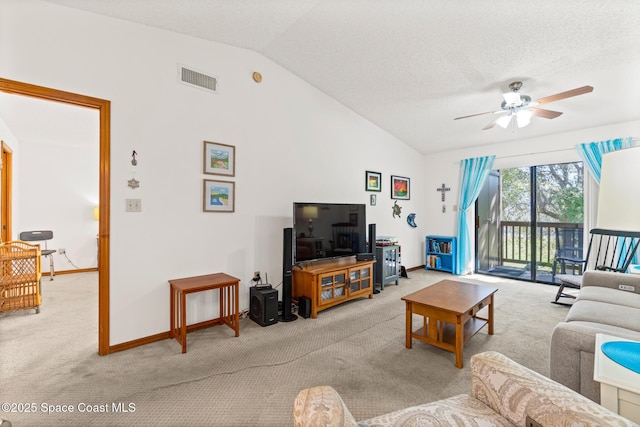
618, 209
293, 143
57, 190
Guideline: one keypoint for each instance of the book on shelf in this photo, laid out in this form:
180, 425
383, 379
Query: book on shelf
443, 247
434, 261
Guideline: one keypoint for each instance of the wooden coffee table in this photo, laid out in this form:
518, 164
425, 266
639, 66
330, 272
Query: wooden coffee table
449, 309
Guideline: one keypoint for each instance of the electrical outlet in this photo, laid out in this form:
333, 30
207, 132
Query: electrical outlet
256, 276
62, 251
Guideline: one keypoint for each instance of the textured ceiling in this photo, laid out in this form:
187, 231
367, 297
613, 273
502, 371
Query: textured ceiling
412, 66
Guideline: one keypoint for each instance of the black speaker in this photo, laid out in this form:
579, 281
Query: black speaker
371, 248
263, 306
304, 307
287, 279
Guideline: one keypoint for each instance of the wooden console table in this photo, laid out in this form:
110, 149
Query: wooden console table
330, 283
229, 312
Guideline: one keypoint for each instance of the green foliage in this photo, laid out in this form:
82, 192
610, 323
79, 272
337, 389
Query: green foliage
516, 194
559, 195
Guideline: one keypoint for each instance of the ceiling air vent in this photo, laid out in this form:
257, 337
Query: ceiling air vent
198, 79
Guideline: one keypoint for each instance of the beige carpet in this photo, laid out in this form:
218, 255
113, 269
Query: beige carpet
358, 347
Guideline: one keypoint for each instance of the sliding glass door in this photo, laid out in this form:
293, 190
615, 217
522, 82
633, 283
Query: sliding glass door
525, 217
487, 224
559, 215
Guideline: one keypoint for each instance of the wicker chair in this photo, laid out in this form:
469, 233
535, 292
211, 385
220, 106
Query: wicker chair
20, 276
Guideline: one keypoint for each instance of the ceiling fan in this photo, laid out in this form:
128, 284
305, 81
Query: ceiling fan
519, 108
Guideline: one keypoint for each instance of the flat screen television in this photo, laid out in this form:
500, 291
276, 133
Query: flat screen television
328, 230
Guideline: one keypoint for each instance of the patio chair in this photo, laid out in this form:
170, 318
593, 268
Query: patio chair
609, 250
569, 251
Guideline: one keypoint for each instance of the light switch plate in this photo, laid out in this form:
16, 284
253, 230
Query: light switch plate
133, 205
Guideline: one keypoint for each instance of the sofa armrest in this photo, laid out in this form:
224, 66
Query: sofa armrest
572, 356
321, 406
607, 279
516, 392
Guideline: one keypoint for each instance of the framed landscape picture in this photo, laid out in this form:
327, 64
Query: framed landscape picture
400, 187
373, 181
218, 196
219, 159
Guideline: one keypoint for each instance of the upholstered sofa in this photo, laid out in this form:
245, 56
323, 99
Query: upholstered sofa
503, 393
601, 306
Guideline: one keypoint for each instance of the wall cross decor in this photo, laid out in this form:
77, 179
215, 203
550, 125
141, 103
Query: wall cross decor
443, 189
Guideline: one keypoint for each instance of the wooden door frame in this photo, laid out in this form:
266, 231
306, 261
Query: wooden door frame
104, 108
6, 191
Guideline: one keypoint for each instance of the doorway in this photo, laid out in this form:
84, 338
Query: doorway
522, 215
104, 109
6, 170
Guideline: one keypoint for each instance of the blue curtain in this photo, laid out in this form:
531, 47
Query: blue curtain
591, 153
474, 174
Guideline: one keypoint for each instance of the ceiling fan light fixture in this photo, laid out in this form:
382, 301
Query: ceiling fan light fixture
512, 98
524, 108
524, 118
504, 121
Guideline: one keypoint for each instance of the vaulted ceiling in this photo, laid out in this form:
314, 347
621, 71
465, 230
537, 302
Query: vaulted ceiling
412, 66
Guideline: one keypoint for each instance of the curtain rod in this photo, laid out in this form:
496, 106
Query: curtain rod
635, 141
537, 152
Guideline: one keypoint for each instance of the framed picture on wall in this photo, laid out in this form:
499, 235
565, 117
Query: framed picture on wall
400, 187
373, 181
219, 159
218, 196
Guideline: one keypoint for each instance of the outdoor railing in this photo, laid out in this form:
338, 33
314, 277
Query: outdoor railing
516, 241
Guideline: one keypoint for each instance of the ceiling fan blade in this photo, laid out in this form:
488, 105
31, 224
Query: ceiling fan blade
479, 114
562, 95
492, 124
500, 114
547, 114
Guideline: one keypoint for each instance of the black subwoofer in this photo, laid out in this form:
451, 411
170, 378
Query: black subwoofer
263, 306
304, 307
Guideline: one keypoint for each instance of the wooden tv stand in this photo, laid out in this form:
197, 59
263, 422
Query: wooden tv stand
329, 283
